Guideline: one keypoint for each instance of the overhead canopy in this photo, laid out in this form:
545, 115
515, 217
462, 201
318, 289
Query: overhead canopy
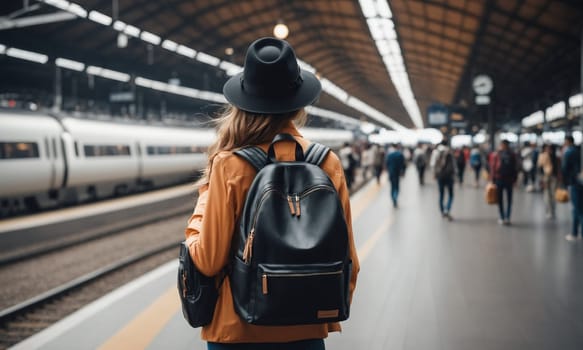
529, 47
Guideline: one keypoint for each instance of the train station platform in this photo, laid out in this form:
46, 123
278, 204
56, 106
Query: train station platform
425, 283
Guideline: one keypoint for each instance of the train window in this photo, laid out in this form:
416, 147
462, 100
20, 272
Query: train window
165, 150
106, 150
13, 150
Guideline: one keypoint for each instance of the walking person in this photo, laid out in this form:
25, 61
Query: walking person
503, 165
461, 165
379, 158
476, 164
549, 163
444, 167
420, 161
395, 164
528, 169
346, 155
571, 166
265, 100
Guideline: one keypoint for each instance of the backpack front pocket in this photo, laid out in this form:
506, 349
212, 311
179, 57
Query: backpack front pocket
301, 294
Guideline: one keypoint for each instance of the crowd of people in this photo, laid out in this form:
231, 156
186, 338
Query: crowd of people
540, 169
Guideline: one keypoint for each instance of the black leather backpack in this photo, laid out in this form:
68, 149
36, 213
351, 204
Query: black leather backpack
291, 263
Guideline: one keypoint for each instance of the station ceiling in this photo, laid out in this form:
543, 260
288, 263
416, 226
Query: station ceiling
531, 48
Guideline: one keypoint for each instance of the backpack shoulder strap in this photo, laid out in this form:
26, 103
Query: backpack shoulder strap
316, 153
254, 155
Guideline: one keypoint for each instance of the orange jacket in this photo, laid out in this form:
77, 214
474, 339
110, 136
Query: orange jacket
210, 233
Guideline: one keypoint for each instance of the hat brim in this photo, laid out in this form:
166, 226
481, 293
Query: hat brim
305, 95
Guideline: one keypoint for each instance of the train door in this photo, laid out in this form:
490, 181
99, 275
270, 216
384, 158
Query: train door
58, 164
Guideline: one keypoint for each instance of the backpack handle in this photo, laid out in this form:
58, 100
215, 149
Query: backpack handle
284, 137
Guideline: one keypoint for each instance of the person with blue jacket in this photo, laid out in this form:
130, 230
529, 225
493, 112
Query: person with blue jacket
570, 168
395, 162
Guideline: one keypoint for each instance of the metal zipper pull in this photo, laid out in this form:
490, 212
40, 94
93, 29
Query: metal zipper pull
248, 251
264, 283
291, 205
299, 212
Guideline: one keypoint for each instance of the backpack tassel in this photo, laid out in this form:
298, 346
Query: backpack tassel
248, 250
291, 205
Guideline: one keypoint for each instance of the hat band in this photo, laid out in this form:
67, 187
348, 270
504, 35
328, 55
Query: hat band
267, 90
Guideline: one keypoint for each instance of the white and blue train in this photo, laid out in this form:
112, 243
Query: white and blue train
48, 161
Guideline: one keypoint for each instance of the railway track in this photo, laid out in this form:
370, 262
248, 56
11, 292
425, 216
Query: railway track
29, 317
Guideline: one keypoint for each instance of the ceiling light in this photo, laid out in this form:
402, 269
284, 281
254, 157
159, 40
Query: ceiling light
150, 38
186, 51
229, 51
384, 9
143, 82
62, 4
368, 8
27, 55
306, 66
115, 75
280, 31
331, 115
208, 59
376, 29
574, 101
383, 47
70, 64
334, 90
77, 10
2, 49
394, 46
230, 68
108, 73
94, 70
169, 45
131, 31
387, 25
119, 26
122, 40
100, 18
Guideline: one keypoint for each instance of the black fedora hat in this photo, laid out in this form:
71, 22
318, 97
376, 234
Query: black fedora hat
271, 81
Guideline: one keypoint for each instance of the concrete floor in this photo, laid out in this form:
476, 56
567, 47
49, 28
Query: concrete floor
425, 282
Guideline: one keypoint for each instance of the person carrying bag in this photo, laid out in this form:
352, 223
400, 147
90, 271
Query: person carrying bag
242, 223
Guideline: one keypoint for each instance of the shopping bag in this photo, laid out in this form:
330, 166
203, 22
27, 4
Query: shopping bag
491, 194
561, 195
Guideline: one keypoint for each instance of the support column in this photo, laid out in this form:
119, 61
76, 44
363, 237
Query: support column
58, 102
581, 90
491, 128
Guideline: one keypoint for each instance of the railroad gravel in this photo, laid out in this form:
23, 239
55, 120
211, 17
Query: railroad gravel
23, 280
21, 328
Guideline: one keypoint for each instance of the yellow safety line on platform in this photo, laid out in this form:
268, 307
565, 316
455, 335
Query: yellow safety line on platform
143, 329
139, 333
371, 190
370, 243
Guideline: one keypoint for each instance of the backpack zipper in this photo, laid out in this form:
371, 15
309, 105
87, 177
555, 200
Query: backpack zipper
314, 189
248, 250
265, 276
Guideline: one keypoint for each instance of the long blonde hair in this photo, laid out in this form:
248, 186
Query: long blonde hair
237, 128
